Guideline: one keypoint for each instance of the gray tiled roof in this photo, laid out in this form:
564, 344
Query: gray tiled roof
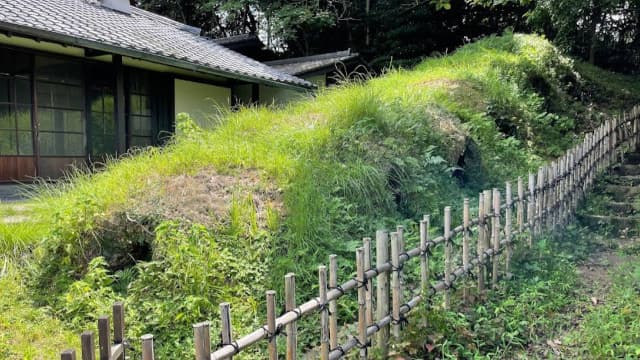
307, 64
140, 34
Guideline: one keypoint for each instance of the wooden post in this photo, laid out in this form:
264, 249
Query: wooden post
324, 313
424, 258
68, 355
507, 229
369, 289
202, 340
480, 247
520, 210
531, 212
104, 338
271, 325
465, 244
118, 327
488, 221
289, 305
396, 296
495, 226
540, 199
400, 231
382, 294
87, 345
226, 336
362, 303
147, 347
448, 253
333, 304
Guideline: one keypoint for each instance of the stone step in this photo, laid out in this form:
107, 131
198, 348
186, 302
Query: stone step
626, 170
628, 180
632, 159
622, 208
622, 223
622, 193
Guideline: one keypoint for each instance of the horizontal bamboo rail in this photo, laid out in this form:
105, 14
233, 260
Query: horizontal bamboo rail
545, 203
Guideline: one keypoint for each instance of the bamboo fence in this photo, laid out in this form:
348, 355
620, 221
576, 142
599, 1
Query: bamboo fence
545, 203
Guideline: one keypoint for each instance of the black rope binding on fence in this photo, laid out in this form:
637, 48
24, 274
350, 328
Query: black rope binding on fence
339, 288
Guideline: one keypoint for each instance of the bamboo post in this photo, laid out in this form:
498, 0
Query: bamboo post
448, 253
104, 338
424, 257
495, 226
271, 325
465, 244
118, 327
488, 221
507, 229
226, 336
202, 340
480, 247
531, 212
147, 347
520, 205
362, 303
382, 293
333, 304
369, 288
324, 313
68, 355
289, 305
396, 296
88, 347
400, 231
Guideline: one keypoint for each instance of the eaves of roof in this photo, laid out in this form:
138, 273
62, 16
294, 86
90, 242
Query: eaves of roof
147, 56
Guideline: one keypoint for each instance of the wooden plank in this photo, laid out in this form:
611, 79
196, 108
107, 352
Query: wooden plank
88, 346
147, 347
366, 244
507, 229
68, 355
480, 246
448, 253
333, 304
495, 226
424, 257
362, 303
382, 291
202, 340
290, 304
396, 296
466, 218
531, 211
20, 168
520, 210
271, 324
226, 330
324, 313
104, 338
118, 327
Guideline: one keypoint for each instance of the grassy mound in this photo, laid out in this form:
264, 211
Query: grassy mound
222, 215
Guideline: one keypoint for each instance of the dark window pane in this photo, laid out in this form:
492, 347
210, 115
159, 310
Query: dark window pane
72, 121
5, 89
95, 102
103, 145
7, 118
14, 63
23, 116
140, 125
139, 141
145, 105
23, 91
134, 104
25, 142
97, 123
109, 124
8, 143
64, 96
58, 70
61, 144
46, 119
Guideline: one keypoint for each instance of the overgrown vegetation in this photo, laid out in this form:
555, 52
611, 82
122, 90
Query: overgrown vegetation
298, 184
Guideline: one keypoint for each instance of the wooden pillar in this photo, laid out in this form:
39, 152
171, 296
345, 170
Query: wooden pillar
119, 98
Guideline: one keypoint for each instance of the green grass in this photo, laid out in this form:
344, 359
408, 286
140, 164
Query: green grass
344, 163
